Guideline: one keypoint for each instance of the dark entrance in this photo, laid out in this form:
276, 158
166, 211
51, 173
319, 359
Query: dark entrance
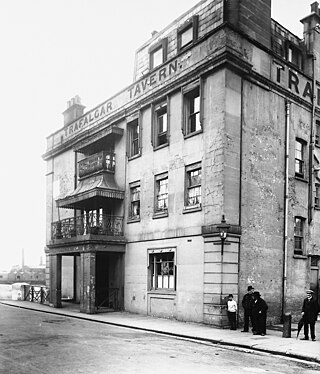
109, 281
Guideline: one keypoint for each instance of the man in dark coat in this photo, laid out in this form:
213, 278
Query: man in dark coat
259, 314
247, 303
310, 310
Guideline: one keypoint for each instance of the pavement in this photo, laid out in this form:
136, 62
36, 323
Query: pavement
272, 342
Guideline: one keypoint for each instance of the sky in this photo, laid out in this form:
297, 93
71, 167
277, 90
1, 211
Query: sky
50, 52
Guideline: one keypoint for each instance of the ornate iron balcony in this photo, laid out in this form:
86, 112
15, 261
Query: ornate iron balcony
102, 161
91, 223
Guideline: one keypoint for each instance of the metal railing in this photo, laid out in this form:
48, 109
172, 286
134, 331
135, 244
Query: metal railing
108, 298
36, 294
90, 223
98, 162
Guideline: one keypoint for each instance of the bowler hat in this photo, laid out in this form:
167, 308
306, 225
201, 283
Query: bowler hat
250, 288
256, 293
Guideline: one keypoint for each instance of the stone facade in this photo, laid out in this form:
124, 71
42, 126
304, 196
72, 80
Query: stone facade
221, 119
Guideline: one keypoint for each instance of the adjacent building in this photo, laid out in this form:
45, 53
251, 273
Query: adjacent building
198, 179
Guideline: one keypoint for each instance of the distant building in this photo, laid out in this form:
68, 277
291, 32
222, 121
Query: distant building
32, 275
223, 118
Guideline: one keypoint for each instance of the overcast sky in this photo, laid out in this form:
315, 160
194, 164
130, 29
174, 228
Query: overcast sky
51, 51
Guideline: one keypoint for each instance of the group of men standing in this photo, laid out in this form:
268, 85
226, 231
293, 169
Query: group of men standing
255, 311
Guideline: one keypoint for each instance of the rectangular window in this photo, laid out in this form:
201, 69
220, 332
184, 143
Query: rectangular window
188, 33
299, 158
133, 138
160, 124
134, 210
158, 53
193, 185
161, 187
191, 108
294, 55
298, 235
317, 196
317, 135
162, 269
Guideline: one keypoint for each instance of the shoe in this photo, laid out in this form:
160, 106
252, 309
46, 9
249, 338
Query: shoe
244, 330
255, 333
263, 334
314, 340
304, 339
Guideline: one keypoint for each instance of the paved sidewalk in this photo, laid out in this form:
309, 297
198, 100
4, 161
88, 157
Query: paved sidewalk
272, 343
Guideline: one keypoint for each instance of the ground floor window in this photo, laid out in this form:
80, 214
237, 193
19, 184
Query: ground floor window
162, 269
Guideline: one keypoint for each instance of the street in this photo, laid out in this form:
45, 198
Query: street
37, 342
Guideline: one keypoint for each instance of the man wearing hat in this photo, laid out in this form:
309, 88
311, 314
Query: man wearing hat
247, 303
259, 314
310, 310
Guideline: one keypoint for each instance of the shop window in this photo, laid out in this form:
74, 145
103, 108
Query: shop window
161, 188
298, 235
191, 111
134, 209
160, 124
188, 33
299, 158
133, 138
158, 53
193, 186
317, 134
162, 269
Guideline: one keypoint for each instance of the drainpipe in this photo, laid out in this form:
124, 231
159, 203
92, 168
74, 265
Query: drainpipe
286, 207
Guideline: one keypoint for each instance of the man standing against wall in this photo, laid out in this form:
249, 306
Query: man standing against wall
310, 310
247, 303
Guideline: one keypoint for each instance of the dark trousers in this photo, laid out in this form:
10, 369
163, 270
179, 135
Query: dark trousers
247, 318
232, 316
260, 321
312, 329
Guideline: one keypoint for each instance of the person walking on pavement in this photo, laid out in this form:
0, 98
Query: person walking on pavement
232, 312
310, 310
259, 314
247, 303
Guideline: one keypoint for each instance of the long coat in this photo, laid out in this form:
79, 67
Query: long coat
310, 309
259, 314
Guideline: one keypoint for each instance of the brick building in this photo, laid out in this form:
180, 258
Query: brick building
222, 119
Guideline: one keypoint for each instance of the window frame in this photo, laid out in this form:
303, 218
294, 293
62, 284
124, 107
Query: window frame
317, 134
190, 23
317, 196
189, 94
163, 45
131, 122
299, 237
300, 159
153, 255
188, 186
156, 108
131, 216
294, 54
158, 212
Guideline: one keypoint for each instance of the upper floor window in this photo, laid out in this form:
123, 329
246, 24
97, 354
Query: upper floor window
298, 235
133, 138
161, 193
160, 124
191, 110
162, 269
317, 134
188, 33
158, 53
299, 158
134, 209
294, 55
193, 185
317, 196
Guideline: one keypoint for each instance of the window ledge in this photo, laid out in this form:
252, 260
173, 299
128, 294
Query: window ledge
133, 220
162, 292
302, 257
133, 157
191, 209
301, 179
192, 134
157, 215
161, 146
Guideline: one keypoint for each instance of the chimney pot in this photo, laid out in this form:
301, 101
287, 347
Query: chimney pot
315, 7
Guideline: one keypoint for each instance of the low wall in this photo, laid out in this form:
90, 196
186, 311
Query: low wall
5, 292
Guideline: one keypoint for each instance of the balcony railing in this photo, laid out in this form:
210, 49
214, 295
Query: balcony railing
101, 161
91, 223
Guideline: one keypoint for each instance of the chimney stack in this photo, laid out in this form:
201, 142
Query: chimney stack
74, 110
